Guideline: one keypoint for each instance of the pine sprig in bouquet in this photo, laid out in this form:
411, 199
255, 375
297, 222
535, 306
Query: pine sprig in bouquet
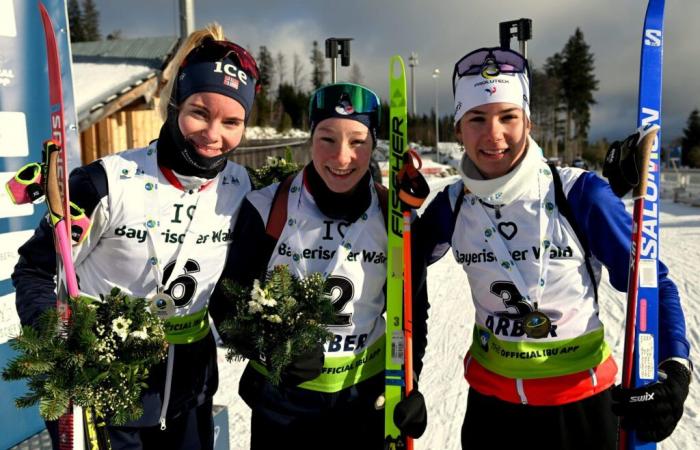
276, 169
277, 320
101, 359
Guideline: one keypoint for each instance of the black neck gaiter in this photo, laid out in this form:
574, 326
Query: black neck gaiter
346, 206
178, 154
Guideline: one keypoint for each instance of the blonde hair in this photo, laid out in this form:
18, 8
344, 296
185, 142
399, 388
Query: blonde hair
211, 31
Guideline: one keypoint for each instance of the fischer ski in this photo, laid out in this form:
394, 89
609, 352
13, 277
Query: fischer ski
395, 342
641, 328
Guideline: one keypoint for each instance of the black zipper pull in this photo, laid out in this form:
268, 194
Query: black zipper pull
498, 211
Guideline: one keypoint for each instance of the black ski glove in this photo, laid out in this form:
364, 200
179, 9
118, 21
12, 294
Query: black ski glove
306, 367
653, 411
622, 166
410, 415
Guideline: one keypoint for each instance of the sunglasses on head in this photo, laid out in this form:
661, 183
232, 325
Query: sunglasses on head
219, 50
345, 98
489, 62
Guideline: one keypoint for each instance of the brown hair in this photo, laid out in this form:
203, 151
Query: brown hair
211, 31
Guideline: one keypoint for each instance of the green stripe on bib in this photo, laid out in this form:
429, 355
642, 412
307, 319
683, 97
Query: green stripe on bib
538, 359
187, 329
340, 372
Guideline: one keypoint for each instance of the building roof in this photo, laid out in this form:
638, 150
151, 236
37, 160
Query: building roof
153, 52
107, 75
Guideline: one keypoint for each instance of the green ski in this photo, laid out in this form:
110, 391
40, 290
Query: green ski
395, 347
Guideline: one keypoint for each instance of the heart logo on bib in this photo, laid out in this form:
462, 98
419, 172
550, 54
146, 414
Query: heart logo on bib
508, 229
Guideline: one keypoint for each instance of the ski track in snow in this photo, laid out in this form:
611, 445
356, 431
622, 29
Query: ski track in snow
449, 335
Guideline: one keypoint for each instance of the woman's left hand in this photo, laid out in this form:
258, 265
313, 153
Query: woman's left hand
653, 411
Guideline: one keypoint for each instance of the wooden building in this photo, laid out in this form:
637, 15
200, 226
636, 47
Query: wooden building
116, 85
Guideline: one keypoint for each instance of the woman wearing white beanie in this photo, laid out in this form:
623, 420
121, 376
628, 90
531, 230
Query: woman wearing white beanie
532, 240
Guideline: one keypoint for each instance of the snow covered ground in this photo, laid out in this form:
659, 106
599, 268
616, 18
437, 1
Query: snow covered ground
449, 335
260, 133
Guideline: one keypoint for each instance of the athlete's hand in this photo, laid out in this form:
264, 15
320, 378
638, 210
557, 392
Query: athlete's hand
305, 367
653, 411
411, 416
623, 162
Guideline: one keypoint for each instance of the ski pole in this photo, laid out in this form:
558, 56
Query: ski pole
644, 148
413, 192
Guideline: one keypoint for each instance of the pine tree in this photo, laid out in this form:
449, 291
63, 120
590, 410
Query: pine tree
266, 67
75, 21
577, 76
544, 106
355, 74
297, 73
263, 99
691, 139
318, 74
91, 21
281, 69
295, 103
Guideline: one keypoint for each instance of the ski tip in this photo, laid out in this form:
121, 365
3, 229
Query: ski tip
397, 69
42, 9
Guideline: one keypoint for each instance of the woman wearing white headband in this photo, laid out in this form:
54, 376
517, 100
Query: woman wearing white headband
532, 239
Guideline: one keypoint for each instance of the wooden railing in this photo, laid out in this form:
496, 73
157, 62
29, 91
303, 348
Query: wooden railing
254, 154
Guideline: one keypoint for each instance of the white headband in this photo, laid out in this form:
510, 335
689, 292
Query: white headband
475, 90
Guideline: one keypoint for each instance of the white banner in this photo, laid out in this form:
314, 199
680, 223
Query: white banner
9, 243
9, 321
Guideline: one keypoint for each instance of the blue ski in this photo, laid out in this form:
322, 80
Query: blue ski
641, 342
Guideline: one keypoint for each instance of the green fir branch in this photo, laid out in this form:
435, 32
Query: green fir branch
87, 361
279, 321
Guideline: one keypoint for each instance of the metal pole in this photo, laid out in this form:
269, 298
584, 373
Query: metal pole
521, 28
413, 62
186, 17
436, 74
334, 69
333, 46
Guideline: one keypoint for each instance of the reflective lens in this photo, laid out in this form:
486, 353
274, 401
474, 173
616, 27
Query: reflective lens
217, 50
490, 62
345, 99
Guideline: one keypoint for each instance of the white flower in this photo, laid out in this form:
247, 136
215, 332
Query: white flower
267, 301
101, 347
272, 161
140, 334
254, 307
120, 326
259, 295
274, 318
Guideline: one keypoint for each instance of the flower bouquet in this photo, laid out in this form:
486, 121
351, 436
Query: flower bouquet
99, 360
277, 320
276, 169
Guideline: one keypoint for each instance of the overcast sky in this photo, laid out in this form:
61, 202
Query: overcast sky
441, 31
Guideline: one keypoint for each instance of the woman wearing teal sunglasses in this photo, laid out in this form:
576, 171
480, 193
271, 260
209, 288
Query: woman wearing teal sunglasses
330, 219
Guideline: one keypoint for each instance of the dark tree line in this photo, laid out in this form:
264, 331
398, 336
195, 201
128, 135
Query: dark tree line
561, 95
690, 143
562, 90
84, 21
